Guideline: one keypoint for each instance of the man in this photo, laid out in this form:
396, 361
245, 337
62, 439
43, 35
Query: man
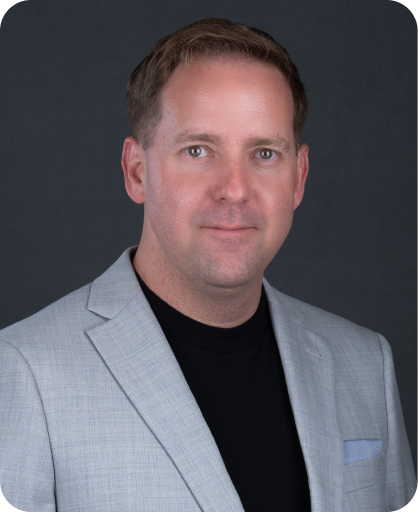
180, 380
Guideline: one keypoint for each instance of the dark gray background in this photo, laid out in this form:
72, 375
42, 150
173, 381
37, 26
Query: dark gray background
65, 215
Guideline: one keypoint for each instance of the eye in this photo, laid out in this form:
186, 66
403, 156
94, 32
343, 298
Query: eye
266, 154
195, 151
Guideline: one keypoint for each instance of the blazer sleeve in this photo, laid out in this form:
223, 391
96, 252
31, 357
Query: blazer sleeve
400, 475
26, 465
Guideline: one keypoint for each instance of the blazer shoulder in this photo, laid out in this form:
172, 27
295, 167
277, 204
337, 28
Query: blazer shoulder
338, 331
59, 320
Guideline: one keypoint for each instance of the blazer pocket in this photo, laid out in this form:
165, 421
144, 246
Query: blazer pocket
361, 449
367, 467
367, 499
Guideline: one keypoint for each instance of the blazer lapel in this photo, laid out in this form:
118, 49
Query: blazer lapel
309, 371
136, 351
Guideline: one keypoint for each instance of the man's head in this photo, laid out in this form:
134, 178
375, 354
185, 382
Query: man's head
209, 38
219, 171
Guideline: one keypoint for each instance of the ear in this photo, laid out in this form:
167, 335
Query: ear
301, 175
133, 165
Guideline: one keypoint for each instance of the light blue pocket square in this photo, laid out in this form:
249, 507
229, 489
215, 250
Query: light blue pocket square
361, 449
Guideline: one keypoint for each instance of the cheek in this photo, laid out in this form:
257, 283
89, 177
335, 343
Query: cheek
278, 192
277, 208
169, 206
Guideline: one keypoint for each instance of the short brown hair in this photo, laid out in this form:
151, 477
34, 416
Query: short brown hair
210, 38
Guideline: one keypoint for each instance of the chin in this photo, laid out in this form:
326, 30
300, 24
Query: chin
229, 276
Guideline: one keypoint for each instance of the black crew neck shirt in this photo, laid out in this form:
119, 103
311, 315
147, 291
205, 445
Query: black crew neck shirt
237, 379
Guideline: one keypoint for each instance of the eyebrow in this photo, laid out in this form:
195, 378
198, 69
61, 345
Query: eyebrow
283, 144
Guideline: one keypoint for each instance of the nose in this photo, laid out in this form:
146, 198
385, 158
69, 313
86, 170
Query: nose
232, 183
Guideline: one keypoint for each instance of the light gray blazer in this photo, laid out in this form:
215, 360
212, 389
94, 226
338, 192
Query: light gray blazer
96, 415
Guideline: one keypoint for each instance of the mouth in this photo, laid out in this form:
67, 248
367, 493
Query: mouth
229, 228
218, 230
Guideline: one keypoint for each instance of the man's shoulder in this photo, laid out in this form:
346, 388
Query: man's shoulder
60, 320
339, 332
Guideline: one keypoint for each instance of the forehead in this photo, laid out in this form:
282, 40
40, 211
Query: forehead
209, 89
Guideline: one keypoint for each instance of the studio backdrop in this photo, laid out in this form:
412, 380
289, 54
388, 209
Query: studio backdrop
65, 216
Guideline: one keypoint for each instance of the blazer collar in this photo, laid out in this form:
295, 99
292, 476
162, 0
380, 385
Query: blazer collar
137, 353
115, 288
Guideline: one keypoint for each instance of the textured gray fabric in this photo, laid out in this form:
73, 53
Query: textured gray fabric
95, 413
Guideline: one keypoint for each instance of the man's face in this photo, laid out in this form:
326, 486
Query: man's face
222, 178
